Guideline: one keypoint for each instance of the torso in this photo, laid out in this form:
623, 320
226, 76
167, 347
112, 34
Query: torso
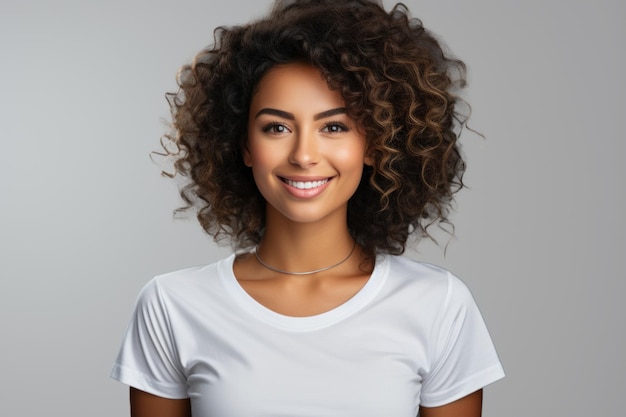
379, 353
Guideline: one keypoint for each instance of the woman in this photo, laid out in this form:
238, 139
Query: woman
317, 139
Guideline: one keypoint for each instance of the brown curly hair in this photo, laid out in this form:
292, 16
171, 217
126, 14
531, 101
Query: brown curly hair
398, 85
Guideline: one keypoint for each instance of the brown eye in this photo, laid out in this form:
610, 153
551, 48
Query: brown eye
335, 127
276, 128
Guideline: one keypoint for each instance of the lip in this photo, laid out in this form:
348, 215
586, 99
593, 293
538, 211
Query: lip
305, 193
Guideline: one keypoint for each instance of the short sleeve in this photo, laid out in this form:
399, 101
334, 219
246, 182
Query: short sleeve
148, 357
464, 359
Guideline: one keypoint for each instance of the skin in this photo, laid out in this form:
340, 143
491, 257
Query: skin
468, 406
143, 404
298, 130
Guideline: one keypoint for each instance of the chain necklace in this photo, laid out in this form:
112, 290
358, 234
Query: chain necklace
315, 271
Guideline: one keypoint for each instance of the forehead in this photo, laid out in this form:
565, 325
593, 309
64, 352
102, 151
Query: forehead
295, 85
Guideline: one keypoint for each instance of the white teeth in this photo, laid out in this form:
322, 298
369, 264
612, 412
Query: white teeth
305, 185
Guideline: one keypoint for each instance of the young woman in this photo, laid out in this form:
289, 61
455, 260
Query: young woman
317, 139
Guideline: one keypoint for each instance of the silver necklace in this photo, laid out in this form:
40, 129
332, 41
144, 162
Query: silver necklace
315, 271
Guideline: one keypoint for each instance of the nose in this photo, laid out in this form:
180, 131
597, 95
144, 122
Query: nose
305, 151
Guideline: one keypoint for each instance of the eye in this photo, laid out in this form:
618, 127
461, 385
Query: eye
275, 128
335, 127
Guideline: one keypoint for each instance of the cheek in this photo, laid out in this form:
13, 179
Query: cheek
351, 158
261, 158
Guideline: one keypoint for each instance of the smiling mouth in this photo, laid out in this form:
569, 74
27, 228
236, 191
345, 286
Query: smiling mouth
305, 185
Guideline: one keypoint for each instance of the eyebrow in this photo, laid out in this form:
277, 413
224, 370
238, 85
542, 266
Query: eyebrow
290, 116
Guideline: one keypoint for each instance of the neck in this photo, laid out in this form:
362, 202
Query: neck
293, 246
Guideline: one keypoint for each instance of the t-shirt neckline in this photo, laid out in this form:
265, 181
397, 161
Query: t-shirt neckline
309, 323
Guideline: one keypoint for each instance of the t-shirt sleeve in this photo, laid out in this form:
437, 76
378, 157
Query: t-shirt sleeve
464, 358
148, 358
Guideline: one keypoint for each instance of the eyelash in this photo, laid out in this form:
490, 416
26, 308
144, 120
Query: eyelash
272, 126
342, 127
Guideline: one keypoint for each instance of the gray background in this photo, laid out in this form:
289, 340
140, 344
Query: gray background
86, 218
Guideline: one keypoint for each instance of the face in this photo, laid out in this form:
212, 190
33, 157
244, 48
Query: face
306, 154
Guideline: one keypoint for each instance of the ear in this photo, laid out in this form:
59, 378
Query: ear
368, 159
247, 158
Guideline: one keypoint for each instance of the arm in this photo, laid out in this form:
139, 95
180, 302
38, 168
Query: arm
469, 406
143, 404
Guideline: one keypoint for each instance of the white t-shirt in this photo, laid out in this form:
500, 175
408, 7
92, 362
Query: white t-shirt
412, 335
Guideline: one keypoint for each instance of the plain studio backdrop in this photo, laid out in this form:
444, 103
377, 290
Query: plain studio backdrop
86, 220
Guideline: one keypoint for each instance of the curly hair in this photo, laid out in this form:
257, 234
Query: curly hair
398, 84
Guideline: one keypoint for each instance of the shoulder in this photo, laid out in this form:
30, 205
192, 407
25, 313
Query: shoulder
429, 280
185, 284
402, 268
405, 266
